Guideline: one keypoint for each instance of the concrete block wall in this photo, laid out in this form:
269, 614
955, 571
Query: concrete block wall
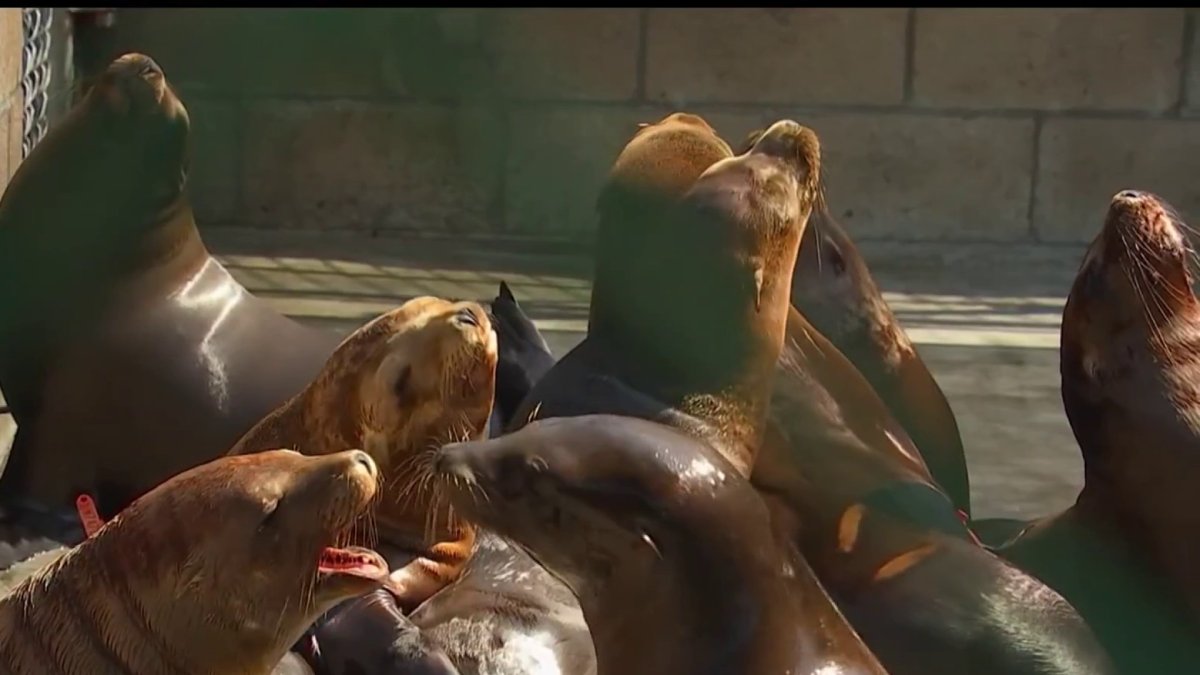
937, 124
11, 103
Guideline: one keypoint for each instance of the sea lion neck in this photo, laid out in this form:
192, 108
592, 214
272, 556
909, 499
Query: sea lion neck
717, 634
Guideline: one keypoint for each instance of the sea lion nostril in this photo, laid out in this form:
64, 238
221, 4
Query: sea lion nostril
1128, 194
365, 461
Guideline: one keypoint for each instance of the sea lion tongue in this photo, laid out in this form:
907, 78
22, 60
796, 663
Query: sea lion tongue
354, 561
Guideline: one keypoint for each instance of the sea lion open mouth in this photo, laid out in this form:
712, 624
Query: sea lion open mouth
353, 561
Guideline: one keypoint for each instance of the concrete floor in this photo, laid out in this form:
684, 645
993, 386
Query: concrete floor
985, 319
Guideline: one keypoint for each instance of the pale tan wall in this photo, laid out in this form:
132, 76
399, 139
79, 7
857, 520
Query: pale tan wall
11, 107
938, 124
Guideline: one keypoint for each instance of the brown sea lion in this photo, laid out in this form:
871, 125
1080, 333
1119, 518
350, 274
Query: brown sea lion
217, 570
888, 545
117, 328
836, 292
1125, 554
668, 548
730, 242
399, 387
834, 289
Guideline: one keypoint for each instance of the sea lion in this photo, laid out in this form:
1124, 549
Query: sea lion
888, 545
399, 387
217, 570
668, 548
523, 356
835, 291
117, 328
1124, 554
370, 634
731, 240
507, 614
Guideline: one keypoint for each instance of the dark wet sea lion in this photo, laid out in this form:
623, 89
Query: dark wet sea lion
889, 547
669, 550
731, 240
399, 387
368, 635
524, 357
117, 328
834, 289
218, 570
1125, 554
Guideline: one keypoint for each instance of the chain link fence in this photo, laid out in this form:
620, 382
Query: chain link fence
36, 74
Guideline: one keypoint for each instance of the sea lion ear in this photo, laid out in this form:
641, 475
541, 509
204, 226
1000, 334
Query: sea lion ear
751, 139
506, 293
758, 285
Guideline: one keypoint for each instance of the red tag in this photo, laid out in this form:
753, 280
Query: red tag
88, 515
962, 515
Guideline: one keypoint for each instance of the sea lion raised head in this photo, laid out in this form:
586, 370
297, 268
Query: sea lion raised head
523, 355
399, 387
705, 314
1131, 342
218, 570
654, 169
84, 208
668, 548
1130, 363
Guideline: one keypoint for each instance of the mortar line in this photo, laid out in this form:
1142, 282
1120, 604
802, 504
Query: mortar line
910, 53
1034, 175
1189, 38
640, 76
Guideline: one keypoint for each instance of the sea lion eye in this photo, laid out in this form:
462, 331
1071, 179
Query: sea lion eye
400, 386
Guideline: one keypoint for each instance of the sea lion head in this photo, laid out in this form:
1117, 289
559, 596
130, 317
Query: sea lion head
405, 383
134, 87
235, 558
369, 634
112, 166
601, 499
523, 355
1130, 345
653, 170
134, 108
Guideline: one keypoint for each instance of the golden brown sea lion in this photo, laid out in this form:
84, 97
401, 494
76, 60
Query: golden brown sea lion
218, 570
399, 387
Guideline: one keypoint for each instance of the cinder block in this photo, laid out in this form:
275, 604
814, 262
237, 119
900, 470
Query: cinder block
927, 177
581, 54
1048, 58
198, 49
1083, 163
1193, 65
369, 167
834, 56
560, 156
212, 182
310, 52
